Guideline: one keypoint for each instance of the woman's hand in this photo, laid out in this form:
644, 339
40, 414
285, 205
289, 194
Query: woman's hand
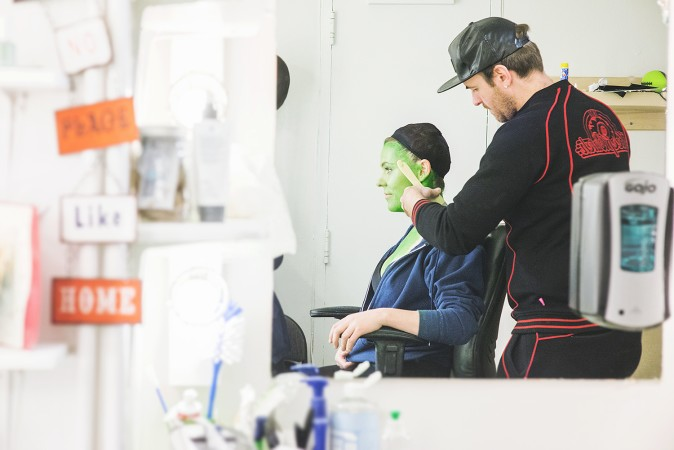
345, 333
340, 359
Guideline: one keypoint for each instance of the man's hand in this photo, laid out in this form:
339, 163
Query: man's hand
340, 359
345, 333
413, 194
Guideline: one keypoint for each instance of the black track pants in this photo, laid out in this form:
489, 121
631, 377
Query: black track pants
597, 354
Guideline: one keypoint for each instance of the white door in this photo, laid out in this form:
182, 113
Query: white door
387, 62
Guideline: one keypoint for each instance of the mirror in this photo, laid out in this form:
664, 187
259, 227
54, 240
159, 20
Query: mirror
385, 66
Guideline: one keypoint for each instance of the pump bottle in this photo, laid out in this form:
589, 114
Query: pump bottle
211, 151
318, 403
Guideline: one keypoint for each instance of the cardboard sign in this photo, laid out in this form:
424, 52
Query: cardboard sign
95, 301
99, 219
83, 45
96, 126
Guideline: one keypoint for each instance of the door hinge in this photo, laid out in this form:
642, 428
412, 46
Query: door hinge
326, 247
331, 28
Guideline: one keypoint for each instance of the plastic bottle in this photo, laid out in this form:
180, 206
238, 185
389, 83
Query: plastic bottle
189, 408
211, 149
395, 436
185, 415
318, 403
565, 71
354, 422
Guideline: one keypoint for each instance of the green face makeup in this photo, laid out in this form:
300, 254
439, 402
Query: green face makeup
392, 179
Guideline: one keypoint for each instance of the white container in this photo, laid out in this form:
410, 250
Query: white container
212, 155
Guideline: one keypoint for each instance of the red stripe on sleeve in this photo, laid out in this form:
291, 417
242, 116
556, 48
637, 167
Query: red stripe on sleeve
415, 210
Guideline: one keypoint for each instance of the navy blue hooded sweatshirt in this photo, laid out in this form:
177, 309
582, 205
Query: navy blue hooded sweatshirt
447, 291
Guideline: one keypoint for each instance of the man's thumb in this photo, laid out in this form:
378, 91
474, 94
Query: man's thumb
430, 193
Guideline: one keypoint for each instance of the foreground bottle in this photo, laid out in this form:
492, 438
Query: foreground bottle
395, 436
354, 422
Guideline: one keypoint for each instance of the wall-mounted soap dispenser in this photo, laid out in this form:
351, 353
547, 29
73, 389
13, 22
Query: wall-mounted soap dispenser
621, 236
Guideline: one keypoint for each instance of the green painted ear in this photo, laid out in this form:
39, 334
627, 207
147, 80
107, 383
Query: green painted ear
427, 176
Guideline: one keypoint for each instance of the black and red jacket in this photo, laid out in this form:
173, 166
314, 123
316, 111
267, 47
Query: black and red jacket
526, 179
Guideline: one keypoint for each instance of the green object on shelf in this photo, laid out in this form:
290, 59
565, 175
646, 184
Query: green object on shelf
656, 79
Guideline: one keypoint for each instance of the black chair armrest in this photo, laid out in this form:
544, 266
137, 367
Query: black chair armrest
386, 333
390, 349
337, 312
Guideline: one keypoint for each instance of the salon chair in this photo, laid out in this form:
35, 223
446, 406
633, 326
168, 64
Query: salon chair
294, 350
474, 359
289, 345
298, 343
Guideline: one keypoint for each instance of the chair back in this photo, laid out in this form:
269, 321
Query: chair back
298, 343
475, 359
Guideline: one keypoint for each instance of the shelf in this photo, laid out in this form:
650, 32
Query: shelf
25, 79
636, 110
150, 233
42, 357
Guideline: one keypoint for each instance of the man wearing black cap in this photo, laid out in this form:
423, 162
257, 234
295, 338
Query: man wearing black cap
415, 287
552, 134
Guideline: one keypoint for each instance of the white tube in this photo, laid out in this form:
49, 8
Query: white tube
113, 368
88, 266
111, 373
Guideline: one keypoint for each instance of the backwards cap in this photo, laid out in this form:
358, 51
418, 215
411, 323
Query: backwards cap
480, 45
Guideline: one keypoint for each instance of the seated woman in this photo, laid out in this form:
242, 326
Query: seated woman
422, 290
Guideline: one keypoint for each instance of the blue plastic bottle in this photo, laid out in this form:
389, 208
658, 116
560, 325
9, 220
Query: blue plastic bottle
565, 71
318, 403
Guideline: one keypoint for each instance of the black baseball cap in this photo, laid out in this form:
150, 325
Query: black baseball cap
480, 45
426, 142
